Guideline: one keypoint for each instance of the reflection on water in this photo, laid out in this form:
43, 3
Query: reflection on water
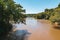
31, 21
22, 34
39, 29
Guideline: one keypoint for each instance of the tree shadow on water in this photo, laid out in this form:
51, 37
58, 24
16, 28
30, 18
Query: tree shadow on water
7, 33
19, 35
22, 34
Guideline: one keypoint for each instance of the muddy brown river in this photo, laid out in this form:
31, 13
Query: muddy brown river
39, 30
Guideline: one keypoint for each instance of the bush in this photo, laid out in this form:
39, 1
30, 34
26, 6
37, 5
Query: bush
55, 18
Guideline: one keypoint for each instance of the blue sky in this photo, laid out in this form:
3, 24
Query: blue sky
36, 6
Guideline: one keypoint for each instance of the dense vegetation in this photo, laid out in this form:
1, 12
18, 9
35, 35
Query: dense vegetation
31, 15
51, 14
9, 11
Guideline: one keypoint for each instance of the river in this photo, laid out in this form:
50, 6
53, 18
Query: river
38, 30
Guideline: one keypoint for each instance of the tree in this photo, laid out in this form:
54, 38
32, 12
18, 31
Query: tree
9, 10
59, 5
55, 16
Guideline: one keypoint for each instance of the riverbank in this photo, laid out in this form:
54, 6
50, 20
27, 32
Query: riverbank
49, 22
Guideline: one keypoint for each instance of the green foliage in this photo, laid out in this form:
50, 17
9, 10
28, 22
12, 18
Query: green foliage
56, 16
59, 5
41, 15
31, 15
51, 14
9, 11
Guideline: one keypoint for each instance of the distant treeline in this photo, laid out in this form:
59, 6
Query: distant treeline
31, 15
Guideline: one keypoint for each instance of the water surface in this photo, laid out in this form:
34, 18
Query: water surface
39, 29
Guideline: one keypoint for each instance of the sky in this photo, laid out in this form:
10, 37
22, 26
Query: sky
36, 6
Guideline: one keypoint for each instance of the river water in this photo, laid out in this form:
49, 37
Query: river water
38, 30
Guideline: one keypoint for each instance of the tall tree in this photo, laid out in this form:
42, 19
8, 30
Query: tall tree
9, 10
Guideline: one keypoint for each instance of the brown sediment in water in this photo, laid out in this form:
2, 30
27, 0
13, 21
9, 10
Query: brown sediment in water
55, 33
45, 31
42, 32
